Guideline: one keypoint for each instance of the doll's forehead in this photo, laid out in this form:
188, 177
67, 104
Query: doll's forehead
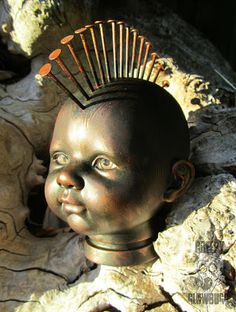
139, 97
118, 121
103, 119
108, 128
123, 118
132, 126
107, 112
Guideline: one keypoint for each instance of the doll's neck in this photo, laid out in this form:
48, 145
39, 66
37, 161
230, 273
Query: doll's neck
122, 249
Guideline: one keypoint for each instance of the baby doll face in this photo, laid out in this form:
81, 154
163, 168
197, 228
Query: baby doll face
104, 175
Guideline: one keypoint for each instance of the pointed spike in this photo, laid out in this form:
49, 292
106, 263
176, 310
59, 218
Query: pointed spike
45, 70
95, 45
144, 65
68, 41
135, 34
114, 48
121, 31
154, 57
158, 70
104, 48
127, 39
56, 56
142, 39
81, 32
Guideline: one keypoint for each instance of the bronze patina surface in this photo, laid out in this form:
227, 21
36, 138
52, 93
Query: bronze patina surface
115, 164
120, 146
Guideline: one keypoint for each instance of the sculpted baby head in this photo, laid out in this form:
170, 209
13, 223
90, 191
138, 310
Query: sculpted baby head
121, 153
116, 163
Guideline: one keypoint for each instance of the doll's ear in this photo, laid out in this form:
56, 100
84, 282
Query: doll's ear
182, 176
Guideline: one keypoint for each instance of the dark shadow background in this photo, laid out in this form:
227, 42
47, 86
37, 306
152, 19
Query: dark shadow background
215, 19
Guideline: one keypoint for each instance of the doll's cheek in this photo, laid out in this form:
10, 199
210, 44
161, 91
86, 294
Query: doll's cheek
78, 224
51, 190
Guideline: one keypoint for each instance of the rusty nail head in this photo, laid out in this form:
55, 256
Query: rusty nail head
45, 70
67, 39
54, 55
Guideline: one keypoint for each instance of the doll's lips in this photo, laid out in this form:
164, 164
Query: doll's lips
73, 209
70, 204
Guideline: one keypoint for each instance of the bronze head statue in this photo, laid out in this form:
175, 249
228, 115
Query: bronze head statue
115, 162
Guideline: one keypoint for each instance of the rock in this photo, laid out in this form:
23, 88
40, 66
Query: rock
193, 250
105, 288
196, 250
213, 131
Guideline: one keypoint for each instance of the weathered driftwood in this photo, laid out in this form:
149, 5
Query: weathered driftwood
51, 274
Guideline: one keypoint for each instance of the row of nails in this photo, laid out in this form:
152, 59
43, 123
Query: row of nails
126, 67
125, 70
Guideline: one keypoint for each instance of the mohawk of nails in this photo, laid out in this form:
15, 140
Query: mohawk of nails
113, 50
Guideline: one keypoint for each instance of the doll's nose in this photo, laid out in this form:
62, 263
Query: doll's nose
68, 178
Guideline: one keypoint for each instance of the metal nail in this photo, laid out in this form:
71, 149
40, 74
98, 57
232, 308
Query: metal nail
113, 27
94, 39
154, 57
55, 56
81, 32
144, 65
121, 31
104, 48
68, 41
135, 34
165, 84
142, 39
127, 37
45, 70
158, 70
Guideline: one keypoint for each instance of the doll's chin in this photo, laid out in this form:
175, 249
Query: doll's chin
78, 224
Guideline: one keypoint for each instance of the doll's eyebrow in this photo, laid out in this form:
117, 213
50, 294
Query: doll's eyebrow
52, 152
103, 155
115, 157
57, 148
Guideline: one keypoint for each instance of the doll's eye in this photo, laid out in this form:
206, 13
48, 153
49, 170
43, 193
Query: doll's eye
60, 158
103, 163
